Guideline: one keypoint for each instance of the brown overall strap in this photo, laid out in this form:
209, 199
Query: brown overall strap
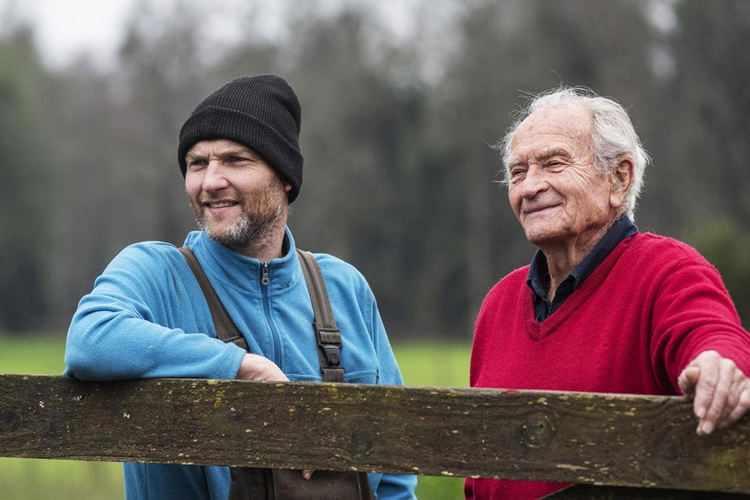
226, 330
278, 484
326, 332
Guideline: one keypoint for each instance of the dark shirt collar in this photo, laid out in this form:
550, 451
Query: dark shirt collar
538, 279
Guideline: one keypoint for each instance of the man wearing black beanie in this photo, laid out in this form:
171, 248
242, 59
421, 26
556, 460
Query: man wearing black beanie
261, 112
233, 302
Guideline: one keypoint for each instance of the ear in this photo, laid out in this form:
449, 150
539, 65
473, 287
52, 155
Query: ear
287, 187
621, 177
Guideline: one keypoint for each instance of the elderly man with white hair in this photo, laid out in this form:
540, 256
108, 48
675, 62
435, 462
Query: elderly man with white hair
602, 307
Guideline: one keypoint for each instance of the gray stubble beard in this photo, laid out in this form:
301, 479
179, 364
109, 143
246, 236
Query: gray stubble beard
249, 230
245, 231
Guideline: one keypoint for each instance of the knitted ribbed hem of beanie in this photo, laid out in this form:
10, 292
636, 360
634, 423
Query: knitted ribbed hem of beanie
260, 112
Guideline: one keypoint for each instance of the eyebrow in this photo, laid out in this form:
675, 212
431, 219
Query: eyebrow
516, 163
193, 156
224, 154
546, 154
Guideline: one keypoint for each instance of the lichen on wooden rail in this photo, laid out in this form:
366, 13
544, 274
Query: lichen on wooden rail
639, 441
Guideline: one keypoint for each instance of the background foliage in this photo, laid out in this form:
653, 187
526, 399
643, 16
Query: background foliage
399, 175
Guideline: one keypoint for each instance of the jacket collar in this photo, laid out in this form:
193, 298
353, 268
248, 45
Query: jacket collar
239, 271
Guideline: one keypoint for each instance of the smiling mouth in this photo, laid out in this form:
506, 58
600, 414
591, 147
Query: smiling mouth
219, 204
539, 209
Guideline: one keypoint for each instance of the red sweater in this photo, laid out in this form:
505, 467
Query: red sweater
631, 327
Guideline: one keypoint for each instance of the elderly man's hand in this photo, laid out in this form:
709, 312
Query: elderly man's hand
720, 391
254, 367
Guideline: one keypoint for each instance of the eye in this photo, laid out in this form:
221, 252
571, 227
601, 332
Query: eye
196, 163
517, 173
239, 160
555, 165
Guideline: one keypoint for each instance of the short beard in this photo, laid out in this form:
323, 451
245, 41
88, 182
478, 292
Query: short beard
247, 231
255, 227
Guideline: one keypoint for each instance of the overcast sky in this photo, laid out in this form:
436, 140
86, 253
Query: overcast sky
66, 28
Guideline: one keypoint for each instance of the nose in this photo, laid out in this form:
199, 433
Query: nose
215, 178
533, 183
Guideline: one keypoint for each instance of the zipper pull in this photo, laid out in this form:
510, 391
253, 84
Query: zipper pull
264, 278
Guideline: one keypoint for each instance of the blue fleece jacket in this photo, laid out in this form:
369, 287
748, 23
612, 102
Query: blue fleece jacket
146, 317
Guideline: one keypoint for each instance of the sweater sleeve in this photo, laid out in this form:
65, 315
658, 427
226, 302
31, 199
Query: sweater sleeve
139, 322
693, 313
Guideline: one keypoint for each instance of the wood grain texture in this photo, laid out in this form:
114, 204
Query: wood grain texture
587, 492
637, 441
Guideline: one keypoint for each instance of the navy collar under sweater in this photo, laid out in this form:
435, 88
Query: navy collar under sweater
538, 279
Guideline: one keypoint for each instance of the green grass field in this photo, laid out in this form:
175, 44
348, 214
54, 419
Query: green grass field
422, 364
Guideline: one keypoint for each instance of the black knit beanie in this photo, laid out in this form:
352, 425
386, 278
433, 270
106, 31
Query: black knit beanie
260, 112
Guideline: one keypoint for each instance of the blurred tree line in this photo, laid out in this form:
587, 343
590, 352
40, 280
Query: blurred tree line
396, 134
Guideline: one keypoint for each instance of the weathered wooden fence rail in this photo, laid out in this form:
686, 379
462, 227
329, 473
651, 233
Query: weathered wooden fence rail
636, 442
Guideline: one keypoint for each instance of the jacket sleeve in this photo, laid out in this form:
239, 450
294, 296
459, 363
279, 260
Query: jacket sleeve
140, 321
368, 351
389, 372
390, 486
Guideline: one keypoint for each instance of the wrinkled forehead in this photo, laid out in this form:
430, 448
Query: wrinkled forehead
219, 147
572, 121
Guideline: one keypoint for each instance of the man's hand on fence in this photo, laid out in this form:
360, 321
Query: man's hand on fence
720, 391
256, 367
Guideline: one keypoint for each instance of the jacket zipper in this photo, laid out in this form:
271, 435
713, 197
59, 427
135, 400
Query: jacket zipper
264, 276
265, 279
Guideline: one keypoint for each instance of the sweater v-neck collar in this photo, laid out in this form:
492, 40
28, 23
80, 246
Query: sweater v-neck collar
539, 331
